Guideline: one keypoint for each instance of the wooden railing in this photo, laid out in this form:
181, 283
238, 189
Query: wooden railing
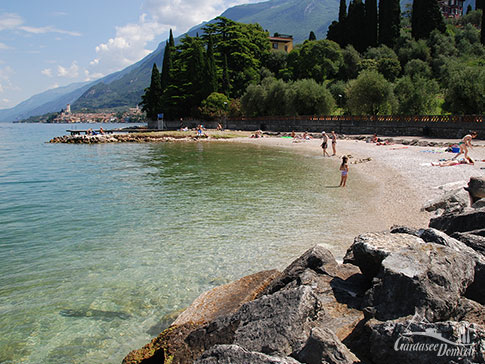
376, 118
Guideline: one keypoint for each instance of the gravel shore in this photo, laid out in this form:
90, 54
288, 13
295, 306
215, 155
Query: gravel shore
403, 175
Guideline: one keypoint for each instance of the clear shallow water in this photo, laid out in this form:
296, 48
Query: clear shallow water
99, 242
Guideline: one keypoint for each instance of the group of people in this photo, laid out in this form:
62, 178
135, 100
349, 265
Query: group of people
90, 131
324, 144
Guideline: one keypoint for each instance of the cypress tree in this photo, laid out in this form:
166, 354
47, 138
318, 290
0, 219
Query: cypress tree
355, 24
166, 66
211, 68
312, 36
342, 11
482, 32
151, 100
171, 41
371, 22
226, 84
390, 22
425, 18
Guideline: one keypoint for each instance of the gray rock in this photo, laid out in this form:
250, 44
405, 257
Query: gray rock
234, 354
473, 240
414, 341
462, 222
397, 229
324, 347
476, 188
470, 311
317, 259
476, 289
278, 324
452, 201
369, 250
429, 278
479, 203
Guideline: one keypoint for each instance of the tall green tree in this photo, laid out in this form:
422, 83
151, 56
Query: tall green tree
312, 36
211, 68
371, 22
336, 31
389, 22
355, 25
151, 100
426, 16
482, 31
166, 66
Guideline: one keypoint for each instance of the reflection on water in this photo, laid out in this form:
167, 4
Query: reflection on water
99, 242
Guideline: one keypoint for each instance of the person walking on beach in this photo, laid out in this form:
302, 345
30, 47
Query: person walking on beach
464, 144
324, 144
334, 142
344, 170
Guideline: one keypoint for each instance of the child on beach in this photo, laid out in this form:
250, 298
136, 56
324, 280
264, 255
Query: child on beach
333, 136
324, 144
344, 168
464, 144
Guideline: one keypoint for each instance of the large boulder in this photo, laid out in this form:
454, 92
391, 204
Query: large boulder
234, 354
473, 219
369, 250
317, 259
324, 347
476, 188
413, 340
474, 239
451, 201
226, 299
476, 290
428, 278
278, 324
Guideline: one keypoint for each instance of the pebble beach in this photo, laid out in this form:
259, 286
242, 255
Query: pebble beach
404, 174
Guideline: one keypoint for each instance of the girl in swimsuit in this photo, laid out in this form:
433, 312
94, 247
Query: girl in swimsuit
344, 168
324, 144
464, 144
334, 142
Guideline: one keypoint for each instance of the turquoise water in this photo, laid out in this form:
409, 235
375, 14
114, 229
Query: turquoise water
99, 242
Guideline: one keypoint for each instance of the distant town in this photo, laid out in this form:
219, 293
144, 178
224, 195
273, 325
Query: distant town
131, 115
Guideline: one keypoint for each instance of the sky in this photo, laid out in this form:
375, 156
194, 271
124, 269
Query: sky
46, 44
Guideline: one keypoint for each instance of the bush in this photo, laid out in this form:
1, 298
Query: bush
417, 95
370, 94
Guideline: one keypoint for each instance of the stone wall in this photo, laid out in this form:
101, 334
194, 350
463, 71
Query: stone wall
430, 126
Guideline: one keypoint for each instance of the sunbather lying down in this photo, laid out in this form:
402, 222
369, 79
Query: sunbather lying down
453, 162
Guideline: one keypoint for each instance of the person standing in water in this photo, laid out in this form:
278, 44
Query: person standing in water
464, 144
344, 170
334, 142
324, 144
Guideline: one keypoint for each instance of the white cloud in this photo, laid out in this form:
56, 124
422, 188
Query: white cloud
70, 72
5, 83
183, 15
47, 72
128, 46
4, 46
11, 21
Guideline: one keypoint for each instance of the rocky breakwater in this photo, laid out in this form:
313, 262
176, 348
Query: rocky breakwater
400, 296
122, 138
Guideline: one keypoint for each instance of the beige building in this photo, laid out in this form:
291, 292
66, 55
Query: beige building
282, 42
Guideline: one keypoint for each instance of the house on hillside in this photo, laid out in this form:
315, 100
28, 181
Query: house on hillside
451, 8
282, 42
